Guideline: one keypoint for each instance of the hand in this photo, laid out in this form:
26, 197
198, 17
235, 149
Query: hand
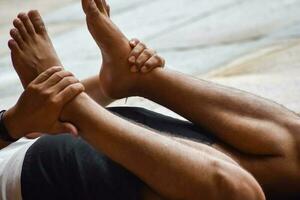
39, 107
143, 59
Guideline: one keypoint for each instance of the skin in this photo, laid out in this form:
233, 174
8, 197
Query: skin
51, 90
200, 170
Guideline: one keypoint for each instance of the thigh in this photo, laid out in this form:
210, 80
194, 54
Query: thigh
165, 124
64, 167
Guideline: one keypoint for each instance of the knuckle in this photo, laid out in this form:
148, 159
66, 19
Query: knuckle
53, 101
142, 45
32, 88
58, 75
148, 64
148, 52
158, 59
45, 93
140, 61
73, 89
70, 80
136, 51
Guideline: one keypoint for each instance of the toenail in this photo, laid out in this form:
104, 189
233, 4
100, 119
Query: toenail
11, 42
33, 12
13, 31
22, 15
16, 21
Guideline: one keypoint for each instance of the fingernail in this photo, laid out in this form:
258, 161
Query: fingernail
134, 69
144, 69
132, 59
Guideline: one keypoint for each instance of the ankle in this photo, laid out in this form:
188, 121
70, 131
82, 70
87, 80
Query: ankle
71, 111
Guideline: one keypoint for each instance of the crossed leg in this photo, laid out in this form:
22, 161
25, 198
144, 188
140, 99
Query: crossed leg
231, 115
161, 162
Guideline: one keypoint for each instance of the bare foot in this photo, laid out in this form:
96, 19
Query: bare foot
115, 77
32, 51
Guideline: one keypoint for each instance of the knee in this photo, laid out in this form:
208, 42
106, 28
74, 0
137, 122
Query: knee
233, 182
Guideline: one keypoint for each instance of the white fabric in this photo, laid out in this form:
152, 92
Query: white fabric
11, 162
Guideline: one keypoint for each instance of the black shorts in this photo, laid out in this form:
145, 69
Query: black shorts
65, 167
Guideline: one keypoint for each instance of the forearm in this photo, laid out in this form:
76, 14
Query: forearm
164, 164
94, 90
232, 115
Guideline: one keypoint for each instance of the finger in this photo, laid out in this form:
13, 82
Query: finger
133, 42
70, 93
154, 62
47, 74
134, 54
63, 83
144, 56
64, 127
55, 78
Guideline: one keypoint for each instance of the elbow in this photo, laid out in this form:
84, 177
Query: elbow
234, 183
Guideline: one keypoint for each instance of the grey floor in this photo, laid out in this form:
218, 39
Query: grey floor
252, 45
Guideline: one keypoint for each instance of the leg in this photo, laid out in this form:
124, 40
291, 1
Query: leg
126, 136
242, 113
232, 115
149, 155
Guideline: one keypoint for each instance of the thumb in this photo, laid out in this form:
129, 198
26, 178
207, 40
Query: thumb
65, 127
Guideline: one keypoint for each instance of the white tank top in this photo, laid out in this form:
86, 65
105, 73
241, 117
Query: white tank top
11, 162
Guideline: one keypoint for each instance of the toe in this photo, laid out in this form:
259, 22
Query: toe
26, 21
101, 6
14, 33
90, 7
21, 28
13, 45
37, 22
107, 7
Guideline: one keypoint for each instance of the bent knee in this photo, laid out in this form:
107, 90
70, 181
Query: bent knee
235, 183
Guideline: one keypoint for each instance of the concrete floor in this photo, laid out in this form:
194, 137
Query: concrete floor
251, 45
